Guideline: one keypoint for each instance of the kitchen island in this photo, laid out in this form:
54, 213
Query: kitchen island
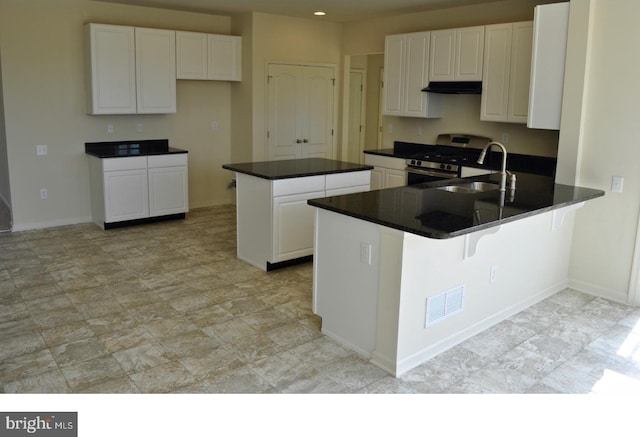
274, 223
403, 274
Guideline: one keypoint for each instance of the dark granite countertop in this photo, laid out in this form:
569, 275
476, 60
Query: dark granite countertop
122, 149
424, 210
295, 168
540, 165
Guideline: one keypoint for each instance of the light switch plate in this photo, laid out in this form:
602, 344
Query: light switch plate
617, 183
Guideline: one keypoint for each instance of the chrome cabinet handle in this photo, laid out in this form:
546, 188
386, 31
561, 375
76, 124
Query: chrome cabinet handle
298, 140
305, 140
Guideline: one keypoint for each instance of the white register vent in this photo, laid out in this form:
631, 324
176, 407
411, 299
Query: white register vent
444, 305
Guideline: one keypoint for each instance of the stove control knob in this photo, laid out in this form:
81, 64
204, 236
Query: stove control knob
448, 167
418, 163
413, 162
442, 166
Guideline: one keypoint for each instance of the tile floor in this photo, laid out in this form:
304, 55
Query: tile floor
167, 308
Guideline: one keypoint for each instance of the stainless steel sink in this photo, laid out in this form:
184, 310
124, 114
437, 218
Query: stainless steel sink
470, 187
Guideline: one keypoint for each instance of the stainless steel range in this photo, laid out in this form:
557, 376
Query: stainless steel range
444, 159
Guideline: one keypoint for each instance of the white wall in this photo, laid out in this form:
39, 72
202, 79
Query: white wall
42, 45
606, 232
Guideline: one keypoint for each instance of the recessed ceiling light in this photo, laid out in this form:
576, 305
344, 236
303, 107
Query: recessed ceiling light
319, 13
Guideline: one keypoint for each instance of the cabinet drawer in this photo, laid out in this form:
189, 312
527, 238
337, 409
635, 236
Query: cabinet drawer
284, 187
384, 161
173, 160
350, 179
115, 164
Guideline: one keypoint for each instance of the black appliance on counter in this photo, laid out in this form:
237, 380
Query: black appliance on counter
429, 163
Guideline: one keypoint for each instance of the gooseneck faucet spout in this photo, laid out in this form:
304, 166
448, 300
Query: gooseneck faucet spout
503, 172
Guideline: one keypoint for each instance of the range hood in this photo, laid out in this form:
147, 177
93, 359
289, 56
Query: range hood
454, 87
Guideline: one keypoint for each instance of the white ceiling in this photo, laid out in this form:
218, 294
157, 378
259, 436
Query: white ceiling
337, 10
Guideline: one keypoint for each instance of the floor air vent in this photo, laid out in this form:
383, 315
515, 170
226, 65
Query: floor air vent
443, 305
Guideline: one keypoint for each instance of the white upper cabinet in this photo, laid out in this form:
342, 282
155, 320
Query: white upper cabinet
550, 27
457, 54
506, 72
202, 56
191, 55
111, 57
406, 70
130, 70
156, 71
225, 57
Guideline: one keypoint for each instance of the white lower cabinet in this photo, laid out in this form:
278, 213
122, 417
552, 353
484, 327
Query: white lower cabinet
387, 172
126, 190
293, 222
140, 187
168, 184
275, 224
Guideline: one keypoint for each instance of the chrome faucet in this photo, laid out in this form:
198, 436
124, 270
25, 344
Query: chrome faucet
503, 172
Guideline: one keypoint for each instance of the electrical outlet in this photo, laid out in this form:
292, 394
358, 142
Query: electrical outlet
214, 125
139, 128
389, 128
493, 275
109, 128
43, 193
505, 138
365, 253
41, 149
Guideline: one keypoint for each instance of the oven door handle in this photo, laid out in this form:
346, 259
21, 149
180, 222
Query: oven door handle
440, 174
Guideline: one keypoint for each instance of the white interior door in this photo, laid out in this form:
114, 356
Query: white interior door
300, 111
282, 108
356, 115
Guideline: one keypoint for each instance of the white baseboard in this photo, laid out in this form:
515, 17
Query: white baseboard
17, 227
364, 354
620, 296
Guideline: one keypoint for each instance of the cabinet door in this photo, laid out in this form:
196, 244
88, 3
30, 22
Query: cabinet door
550, 26
393, 75
395, 178
225, 57
469, 52
520, 77
126, 195
111, 71
293, 226
377, 181
191, 55
442, 60
156, 71
496, 74
416, 102
168, 185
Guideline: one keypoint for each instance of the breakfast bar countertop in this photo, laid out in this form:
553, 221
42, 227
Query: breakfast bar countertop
426, 210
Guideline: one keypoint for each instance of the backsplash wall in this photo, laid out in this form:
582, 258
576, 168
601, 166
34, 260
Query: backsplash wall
461, 114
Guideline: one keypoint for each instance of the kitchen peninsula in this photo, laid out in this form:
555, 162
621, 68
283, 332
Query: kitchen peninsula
403, 274
274, 223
